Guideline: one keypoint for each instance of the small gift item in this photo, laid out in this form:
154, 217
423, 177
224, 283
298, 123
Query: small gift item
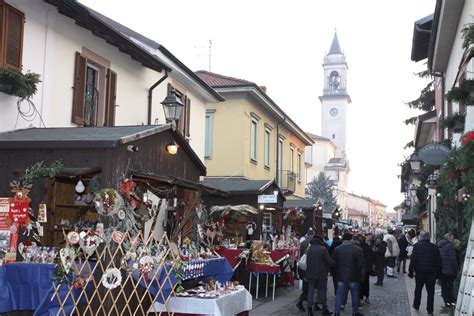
73, 238
110, 275
146, 265
121, 214
89, 242
67, 256
118, 236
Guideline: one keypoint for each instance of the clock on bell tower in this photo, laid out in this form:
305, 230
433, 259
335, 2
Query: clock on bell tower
335, 99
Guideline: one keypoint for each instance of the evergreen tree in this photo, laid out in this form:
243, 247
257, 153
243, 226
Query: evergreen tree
321, 188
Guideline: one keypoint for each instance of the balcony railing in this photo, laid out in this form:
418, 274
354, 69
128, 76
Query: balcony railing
287, 181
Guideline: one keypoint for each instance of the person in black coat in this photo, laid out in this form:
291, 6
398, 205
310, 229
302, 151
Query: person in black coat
380, 247
368, 262
426, 264
402, 257
304, 246
449, 268
336, 241
318, 263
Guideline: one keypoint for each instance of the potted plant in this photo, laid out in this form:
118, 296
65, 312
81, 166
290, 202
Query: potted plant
13, 82
464, 93
455, 122
10, 78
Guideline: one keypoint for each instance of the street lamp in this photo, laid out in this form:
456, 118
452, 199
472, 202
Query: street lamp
173, 107
415, 162
413, 190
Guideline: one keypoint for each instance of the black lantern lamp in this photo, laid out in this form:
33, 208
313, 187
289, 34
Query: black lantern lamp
415, 162
173, 107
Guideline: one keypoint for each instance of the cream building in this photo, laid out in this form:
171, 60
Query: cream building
250, 136
95, 72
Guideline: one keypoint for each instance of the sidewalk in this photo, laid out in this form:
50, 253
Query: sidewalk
394, 298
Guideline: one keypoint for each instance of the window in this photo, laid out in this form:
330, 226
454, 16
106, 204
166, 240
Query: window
299, 166
280, 161
267, 148
267, 222
95, 87
253, 140
292, 155
184, 123
11, 36
208, 136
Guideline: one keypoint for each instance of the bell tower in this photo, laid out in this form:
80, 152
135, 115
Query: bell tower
335, 98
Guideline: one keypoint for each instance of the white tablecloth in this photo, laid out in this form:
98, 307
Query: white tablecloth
225, 305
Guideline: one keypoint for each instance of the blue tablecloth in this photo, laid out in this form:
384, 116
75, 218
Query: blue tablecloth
219, 269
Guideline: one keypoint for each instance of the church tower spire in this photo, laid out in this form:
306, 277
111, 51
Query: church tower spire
335, 98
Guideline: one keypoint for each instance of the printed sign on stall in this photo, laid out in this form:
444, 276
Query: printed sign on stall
4, 228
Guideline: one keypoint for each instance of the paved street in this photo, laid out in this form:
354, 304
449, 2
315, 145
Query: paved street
394, 298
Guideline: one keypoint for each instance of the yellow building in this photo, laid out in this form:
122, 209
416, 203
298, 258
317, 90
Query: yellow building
250, 136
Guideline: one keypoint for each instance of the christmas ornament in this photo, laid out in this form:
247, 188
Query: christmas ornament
118, 236
108, 202
67, 256
109, 276
89, 242
73, 238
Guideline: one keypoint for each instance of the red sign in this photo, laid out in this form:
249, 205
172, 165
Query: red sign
19, 211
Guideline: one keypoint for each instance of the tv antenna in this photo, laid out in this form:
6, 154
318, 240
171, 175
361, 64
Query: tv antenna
208, 55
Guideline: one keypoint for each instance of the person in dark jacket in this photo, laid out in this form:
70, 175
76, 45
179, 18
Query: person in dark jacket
350, 268
368, 263
304, 246
449, 268
318, 263
426, 264
402, 257
336, 241
380, 247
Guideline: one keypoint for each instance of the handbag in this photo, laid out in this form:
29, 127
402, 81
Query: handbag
302, 262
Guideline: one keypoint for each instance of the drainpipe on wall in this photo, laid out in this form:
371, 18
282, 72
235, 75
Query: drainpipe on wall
150, 94
443, 87
277, 151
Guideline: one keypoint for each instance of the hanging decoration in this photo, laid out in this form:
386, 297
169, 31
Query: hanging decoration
19, 205
73, 238
118, 236
107, 202
127, 189
110, 275
146, 265
89, 242
67, 256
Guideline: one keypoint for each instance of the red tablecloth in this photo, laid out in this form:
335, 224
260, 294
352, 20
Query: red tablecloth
232, 255
263, 268
278, 254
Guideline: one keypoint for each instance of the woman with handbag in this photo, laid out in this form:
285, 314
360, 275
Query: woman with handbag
304, 245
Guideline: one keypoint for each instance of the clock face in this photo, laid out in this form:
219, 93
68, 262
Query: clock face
333, 111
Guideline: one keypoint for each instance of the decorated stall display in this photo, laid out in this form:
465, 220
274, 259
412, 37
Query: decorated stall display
235, 219
260, 255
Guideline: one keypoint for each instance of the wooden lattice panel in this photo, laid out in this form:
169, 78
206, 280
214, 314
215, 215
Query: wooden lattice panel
134, 296
465, 300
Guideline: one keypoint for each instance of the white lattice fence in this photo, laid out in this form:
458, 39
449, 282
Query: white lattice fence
129, 289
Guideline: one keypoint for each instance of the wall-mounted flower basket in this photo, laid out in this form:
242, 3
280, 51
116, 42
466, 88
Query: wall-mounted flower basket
463, 93
13, 82
454, 122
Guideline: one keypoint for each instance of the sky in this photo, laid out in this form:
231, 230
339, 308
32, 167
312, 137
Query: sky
282, 44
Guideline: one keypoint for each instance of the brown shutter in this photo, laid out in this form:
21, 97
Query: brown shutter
2, 22
111, 96
187, 116
79, 95
14, 37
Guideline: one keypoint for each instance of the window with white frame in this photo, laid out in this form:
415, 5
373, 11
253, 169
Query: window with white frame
292, 157
267, 148
253, 140
300, 170
280, 160
208, 134
267, 222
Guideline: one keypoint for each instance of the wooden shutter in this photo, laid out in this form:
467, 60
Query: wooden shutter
14, 37
111, 97
79, 95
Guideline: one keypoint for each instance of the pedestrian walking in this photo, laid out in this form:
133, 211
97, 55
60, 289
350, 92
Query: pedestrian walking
392, 252
349, 268
380, 247
318, 263
449, 268
425, 263
368, 263
304, 245
402, 257
412, 240
336, 241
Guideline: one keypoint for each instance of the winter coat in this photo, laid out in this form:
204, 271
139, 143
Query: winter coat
349, 262
403, 244
318, 260
369, 257
379, 252
449, 261
425, 258
392, 246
